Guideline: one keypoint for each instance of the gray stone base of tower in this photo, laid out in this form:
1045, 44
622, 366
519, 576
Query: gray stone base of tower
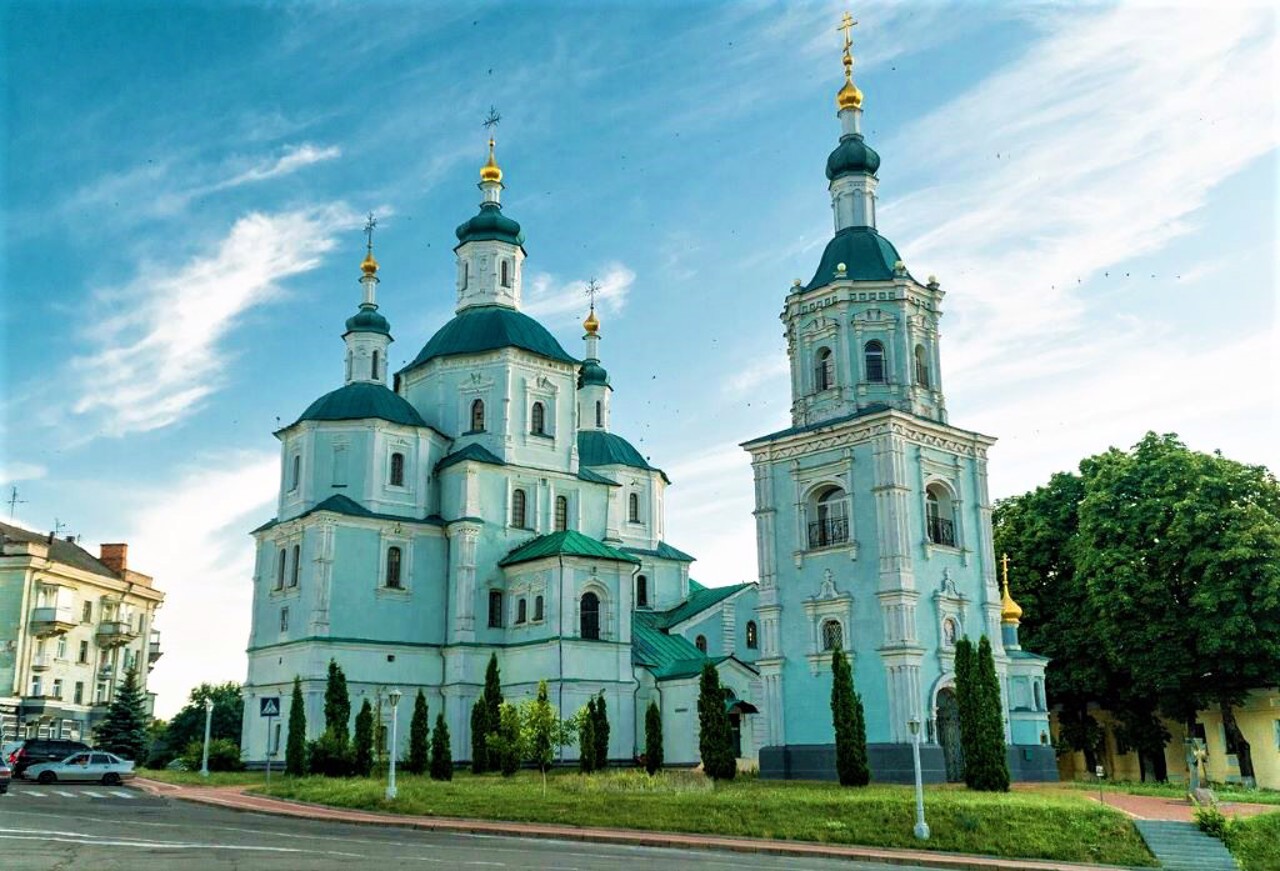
891, 763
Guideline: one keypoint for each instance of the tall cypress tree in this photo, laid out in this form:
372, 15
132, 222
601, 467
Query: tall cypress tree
337, 704
493, 693
601, 734
992, 771
850, 728
124, 731
715, 736
587, 737
967, 706
419, 736
363, 741
486, 719
441, 755
295, 751
653, 739
479, 736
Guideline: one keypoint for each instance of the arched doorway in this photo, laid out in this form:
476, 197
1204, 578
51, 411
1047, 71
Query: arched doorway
948, 732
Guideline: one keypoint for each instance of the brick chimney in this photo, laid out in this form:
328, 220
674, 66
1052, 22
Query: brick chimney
115, 557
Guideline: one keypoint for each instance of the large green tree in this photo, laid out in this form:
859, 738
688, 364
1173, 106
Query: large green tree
850, 726
990, 763
441, 755
362, 742
124, 731
419, 736
967, 703
601, 734
225, 721
295, 751
653, 738
715, 735
337, 705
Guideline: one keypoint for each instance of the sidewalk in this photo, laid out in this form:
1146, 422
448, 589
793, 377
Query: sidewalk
1155, 807
235, 798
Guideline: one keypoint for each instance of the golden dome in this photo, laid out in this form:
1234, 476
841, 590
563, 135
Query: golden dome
1010, 611
592, 323
491, 171
849, 97
369, 266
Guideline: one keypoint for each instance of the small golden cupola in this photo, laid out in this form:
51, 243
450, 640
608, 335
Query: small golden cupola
592, 323
849, 96
491, 171
1010, 611
369, 266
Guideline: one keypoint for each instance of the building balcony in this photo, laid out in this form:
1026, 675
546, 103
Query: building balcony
942, 531
153, 648
115, 633
52, 620
41, 662
828, 532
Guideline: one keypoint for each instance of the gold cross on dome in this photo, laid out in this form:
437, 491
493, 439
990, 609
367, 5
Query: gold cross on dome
1004, 565
368, 230
847, 24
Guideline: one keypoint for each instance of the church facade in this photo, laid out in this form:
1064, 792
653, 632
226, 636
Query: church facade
483, 507
873, 520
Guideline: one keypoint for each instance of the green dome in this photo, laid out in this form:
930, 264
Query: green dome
367, 320
599, 448
487, 328
363, 400
490, 224
592, 373
866, 254
852, 155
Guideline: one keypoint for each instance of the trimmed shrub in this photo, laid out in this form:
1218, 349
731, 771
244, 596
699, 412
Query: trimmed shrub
224, 755
653, 739
419, 736
441, 756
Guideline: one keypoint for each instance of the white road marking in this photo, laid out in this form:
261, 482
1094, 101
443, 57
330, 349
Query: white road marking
65, 794
32, 792
78, 838
122, 793
92, 794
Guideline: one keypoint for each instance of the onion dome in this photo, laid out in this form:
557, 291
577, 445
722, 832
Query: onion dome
479, 329
592, 323
1010, 611
491, 171
848, 97
367, 320
369, 266
363, 401
852, 155
490, 224
592, 373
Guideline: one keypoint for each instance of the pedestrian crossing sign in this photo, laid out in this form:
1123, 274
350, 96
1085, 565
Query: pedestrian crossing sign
269, 707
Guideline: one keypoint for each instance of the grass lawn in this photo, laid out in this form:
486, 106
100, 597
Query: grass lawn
1224, 792
1063, 826
215, 778
1256, 842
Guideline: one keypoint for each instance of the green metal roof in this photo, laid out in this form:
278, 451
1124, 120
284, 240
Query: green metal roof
490, 224
668, 657
593, 477
487, 328
367, 320
600, 448
340, 504
852, 155
593, 373
567, 543
666, 551
360, 400
873, 408
700, 599
474, 452
866, 254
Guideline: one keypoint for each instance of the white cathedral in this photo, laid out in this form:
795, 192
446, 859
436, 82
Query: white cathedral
481, 505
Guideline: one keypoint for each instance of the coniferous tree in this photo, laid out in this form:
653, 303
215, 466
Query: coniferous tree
124, 731
653, 739
419, 736
601, 734
295, 751
479, 736
587, 738
337, 704
850, 726
991, 772
715, 738
506, 745
441, 756
493, 694
967, 705
362, 742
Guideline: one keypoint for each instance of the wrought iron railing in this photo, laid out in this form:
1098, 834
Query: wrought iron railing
824, 533
942, 531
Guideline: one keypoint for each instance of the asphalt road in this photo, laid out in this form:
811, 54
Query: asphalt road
67, 827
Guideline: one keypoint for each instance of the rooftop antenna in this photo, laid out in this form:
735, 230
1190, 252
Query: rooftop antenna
58, 527
14, 501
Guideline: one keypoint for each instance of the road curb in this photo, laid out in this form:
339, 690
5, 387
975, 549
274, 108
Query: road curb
236, 798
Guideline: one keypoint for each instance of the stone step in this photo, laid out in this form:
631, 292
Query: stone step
1183, 847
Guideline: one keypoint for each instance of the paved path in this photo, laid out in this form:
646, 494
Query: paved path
770, 852
1159, 807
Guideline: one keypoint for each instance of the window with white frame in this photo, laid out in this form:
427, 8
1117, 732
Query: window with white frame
538, 419
824, 369
393, 580
296, 476
282, 565
562, 513
828, 518
537, 609
396, 478
922, 366
284, 619
519, 509
940, 515
873, 357
633, 507
297, 566
477, 415
832, 635
589, 620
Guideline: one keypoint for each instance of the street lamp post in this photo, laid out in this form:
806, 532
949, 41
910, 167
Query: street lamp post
391, 781
922, 828
208, 717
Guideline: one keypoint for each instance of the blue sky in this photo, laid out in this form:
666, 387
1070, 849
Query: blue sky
184, 185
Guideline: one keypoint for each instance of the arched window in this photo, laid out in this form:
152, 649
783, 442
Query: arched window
397, 470
922, 367
466, 273
281, 564
506, 273
873, 354
824, 370
297, 565
522, 611
590, 623
633, 507
393, 568
477, 416
296, 479
373, 369
753, 639
1037, 690
832, 635
518, 509
599, 414
562, 513
537, 609
495, 609
642, 591
538, 419
829, 521
938, 516
701, 643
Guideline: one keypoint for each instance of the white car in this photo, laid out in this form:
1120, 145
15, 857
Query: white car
94, 765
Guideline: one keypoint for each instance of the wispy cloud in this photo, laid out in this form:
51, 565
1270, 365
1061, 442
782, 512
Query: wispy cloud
294, 158
161, 354
565, 303
12, 472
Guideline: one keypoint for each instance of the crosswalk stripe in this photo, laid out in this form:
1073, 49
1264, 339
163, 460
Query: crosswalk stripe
32, 792
122, 793
65, 794
93, 794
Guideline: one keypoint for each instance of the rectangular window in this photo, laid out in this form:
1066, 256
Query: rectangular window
495, 609
284, 619
86, 615
62, 647
83, 656
522, 611
537, 616
57, 688
79, 696
37, 685
100, 694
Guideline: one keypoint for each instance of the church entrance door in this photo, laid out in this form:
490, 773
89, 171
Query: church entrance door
735, 726
948, 732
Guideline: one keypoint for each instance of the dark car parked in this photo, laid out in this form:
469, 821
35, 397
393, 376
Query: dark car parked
36, 750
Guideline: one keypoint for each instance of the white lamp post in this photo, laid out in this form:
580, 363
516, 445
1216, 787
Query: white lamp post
391, 781
922, 828
208, 717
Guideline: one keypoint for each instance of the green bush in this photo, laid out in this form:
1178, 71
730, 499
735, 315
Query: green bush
331, 756
1213, 822
224, 755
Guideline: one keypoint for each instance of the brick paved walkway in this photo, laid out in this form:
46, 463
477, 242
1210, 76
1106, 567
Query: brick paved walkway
1158, 807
